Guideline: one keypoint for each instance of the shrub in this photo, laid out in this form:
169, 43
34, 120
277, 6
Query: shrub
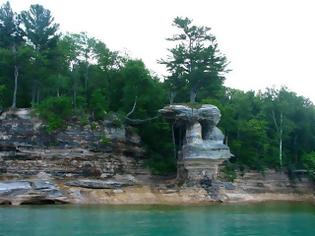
160, 165
55, 110
309, 164
2, 89
105, 140
229, 172
116, 119
98, 105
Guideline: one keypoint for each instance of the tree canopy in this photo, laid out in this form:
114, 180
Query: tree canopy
195, 61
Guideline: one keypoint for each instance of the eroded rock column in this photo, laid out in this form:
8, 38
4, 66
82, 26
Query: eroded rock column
193, 133
203, 149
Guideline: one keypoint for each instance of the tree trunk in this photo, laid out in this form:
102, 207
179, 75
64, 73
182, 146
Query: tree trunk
296, 158
172, 96
58, 88
280, 139
75, 98
16, 75
226, 140
38, 96
86, 79
174, 142
193, 95
279, 128
33, 93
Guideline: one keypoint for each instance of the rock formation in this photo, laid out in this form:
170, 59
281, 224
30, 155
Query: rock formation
101, 163
199, 141
77, 153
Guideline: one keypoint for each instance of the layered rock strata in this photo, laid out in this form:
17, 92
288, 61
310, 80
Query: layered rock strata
95, 151
199, 141
100, 163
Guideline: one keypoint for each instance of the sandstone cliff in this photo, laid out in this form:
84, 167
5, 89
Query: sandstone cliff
103, 163
29, 155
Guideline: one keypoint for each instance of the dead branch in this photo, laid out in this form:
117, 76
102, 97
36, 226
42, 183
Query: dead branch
133, 108
138, 121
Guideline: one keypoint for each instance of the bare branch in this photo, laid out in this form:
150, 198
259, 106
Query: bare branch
139, 121
133, 108
275, 120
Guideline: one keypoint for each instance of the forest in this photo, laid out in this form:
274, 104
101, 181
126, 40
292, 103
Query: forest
66, 76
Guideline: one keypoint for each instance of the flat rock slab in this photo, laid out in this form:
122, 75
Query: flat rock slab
184, 112
98, 184
11, 186
30, 192
43, 185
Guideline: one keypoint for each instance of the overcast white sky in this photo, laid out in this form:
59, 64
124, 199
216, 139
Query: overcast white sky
268, 42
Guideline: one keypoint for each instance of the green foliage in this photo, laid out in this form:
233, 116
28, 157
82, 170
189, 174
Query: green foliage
248, 121
194, 105
2, 88
115, 118
105, 140
195, 62
55, 110
98, 105
309, 163
229, 172
84, 119
39, 27
93, 125
160, 165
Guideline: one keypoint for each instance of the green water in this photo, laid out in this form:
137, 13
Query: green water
267, 219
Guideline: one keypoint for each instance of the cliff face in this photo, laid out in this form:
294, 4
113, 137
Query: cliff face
270, 185
96, 150
101, 163
28, 153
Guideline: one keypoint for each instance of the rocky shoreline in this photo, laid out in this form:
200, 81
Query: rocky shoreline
102, 163
127, 190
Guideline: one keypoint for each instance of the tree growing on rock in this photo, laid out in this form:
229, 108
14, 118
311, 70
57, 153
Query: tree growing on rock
40, 32
195, 61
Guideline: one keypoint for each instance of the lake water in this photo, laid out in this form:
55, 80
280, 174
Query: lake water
265, 219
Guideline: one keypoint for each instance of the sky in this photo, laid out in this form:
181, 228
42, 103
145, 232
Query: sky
269, 43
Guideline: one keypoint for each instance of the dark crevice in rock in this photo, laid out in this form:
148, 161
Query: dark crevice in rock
6, 202
43, 202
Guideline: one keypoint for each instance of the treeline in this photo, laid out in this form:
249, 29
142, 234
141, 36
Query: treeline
74, 75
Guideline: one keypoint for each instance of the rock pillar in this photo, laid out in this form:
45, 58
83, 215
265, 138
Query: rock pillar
203, 149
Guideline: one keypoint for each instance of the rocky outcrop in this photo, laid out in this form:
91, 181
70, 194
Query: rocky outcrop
201, 148
202, 139
30, 192
99, 184
101, 163
269, 185
99, 151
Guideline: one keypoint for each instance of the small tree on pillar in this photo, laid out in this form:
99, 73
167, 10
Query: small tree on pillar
195, 60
